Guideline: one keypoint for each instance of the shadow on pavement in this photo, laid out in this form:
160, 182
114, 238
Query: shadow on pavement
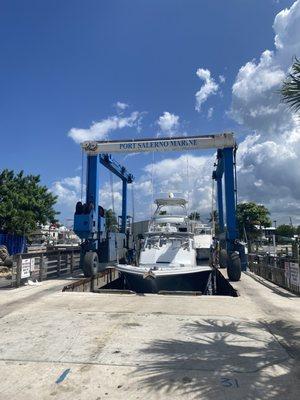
245, 359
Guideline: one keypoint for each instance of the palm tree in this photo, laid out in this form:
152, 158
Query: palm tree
195, 215
111, 222
214, 221
213, 216
290, 90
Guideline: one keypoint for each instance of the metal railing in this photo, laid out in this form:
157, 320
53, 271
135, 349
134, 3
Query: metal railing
91, 284
46, 265
283, 271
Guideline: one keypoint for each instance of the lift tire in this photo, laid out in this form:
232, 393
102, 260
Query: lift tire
234, 267
90, 264
223, 258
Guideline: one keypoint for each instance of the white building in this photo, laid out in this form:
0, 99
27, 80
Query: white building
52, 234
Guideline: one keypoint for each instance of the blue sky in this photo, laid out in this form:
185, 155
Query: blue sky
65, 64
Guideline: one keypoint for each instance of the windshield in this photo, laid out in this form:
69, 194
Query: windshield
157, 241
203, 231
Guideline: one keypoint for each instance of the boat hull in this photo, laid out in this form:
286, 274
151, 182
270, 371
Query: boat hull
196, 281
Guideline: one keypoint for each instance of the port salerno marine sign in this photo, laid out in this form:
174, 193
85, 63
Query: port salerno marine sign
218, 141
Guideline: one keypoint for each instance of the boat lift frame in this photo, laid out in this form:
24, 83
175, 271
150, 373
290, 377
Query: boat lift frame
226, 148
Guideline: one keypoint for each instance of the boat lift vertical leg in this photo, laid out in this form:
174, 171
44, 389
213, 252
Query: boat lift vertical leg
234, 261
229, 197
124, 206
92, 190
220, 203
89, 250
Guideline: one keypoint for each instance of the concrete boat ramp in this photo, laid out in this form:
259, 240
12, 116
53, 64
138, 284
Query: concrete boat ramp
94, 346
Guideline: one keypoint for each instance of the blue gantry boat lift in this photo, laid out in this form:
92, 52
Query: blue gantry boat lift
89, 217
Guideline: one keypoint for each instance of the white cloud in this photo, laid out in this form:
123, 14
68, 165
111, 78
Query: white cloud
168, 123
100, 130
187, 175
268, 159
210, 112
222, 79
68, 191
209, 88
121, 106
73, 182
256, 101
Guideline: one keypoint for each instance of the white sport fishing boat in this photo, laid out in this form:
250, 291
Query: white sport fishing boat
167, 260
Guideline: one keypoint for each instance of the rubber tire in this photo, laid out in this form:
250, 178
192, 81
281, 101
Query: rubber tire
90, 264
223, 258
234, 267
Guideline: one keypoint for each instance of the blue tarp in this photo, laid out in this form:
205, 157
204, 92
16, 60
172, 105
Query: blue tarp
14, 243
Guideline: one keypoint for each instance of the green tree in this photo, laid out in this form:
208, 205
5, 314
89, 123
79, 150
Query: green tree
250, 216
195, 216
111, 221
285, 230
290, 90
24, 203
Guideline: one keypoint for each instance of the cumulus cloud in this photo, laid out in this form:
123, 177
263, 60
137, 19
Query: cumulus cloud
268, 158
121, 106
222, 79
187, 175
168, 123
210, 112
68, 191
209, 87
256, 101
100, 130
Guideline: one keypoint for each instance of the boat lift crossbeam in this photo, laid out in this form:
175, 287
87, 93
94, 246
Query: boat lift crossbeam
218, 141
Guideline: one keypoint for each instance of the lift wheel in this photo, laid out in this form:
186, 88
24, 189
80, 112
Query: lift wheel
223, 258
90, 264
234, 267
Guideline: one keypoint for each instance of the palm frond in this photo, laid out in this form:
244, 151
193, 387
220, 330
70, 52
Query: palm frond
290, 90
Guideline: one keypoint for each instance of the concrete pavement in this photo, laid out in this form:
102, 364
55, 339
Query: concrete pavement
106, 346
